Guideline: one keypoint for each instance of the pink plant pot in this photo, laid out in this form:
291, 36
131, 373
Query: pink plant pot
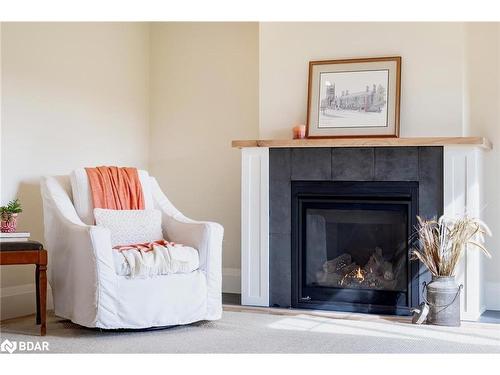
9, 226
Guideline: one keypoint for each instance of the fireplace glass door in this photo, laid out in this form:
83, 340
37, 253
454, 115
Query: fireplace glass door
351, 246
357, 246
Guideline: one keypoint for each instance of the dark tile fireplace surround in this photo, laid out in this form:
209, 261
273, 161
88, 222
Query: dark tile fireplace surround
338, 187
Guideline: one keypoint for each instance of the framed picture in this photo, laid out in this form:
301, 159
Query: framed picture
354, 98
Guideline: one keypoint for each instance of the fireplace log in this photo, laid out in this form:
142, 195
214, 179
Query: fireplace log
377, 264
341, 271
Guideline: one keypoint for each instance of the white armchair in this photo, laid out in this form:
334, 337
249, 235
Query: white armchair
87, 290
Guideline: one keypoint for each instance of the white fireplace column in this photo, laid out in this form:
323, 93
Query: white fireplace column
255, 226
462, 195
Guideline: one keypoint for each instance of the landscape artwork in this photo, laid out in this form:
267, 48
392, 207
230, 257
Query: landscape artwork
351, 99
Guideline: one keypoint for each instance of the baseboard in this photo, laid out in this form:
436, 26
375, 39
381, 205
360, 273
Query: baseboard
231, 280
20, 300
472, 316
492, 293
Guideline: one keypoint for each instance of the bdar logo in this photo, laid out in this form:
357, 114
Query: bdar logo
8, 346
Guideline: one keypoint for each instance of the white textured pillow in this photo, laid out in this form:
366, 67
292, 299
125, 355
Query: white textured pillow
130, 227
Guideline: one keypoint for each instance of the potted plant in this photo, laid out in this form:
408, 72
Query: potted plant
441, 245
9, 216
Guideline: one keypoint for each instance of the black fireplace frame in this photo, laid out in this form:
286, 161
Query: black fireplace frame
329, 298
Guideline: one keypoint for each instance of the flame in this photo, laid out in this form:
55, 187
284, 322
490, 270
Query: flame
359, 275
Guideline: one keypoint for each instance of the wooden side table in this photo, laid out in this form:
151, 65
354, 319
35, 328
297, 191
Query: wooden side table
30, 252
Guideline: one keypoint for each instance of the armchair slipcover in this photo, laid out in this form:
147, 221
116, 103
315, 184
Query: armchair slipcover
86, 288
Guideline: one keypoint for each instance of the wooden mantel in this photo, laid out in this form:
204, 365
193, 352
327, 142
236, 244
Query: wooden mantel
366, 142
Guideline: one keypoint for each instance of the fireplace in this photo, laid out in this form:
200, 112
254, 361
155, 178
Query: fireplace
350, 245
428, 180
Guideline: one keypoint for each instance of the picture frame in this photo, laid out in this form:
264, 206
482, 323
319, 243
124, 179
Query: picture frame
354, 98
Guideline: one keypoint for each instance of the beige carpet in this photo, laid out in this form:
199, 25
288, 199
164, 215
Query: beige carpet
258, 331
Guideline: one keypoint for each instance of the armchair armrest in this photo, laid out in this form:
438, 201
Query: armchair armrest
81, 268
204, 236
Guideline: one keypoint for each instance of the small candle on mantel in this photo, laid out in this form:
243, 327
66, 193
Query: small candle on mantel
299, 132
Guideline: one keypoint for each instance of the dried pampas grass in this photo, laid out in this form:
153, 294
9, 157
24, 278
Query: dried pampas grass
441, 243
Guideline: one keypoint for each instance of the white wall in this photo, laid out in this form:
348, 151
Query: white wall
432, 70
204, 90
73, 95
482, 118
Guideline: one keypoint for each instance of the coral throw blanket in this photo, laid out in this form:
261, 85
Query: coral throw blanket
116, 188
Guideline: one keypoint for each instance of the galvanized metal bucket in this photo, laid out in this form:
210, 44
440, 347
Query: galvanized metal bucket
442, 295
